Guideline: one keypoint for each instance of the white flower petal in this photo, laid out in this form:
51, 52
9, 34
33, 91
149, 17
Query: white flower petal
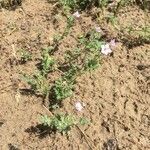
105, 49
113, 42
78, 106
76, 14
98, 29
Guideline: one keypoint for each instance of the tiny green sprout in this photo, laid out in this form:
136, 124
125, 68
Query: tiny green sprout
72, 73
112, 19
84, 121
60, 123
91, 64
57, 38
142, 33
62, 89
72, 55
93, 41
47, 62
93, 45
70, 21
25, 56
45, 120
38, 83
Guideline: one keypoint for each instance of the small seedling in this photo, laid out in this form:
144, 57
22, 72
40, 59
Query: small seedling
138, 36
70, 21
47, 62
143, 33
62, 123
58, 37
112, 19
71, 56
62, 89
72, 73
83, 121
25, 56
91, 64
38, 84
93, 45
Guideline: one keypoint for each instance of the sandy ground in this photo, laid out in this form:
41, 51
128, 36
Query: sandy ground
116, 95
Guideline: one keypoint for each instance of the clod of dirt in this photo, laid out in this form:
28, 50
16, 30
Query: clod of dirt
1, 123
106, 125
10, 3
142, 67
12, 147
111, 144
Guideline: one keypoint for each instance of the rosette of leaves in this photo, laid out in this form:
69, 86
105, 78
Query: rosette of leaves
62, 122
62, 89
38, 84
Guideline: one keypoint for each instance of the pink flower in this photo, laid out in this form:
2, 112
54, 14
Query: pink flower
76, 14
98, 29
113, 43
105, 49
